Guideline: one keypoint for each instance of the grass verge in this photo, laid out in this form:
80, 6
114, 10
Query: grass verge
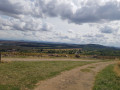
117, 68
107, 79
24, 75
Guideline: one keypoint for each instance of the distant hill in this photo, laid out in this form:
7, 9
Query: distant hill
5, 44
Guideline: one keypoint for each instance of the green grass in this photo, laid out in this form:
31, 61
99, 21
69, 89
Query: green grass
21, 75
107, 80
91, 67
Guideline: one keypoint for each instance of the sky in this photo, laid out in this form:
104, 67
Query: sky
65, 21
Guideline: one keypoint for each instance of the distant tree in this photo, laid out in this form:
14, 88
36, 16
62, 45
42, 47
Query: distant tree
40, 50
51, 51
77, 56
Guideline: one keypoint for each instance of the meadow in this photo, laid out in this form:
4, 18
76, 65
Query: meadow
25, 75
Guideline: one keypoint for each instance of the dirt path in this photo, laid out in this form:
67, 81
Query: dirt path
43, 59
81, 78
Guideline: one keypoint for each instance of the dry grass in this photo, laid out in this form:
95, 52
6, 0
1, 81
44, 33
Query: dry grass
5, 61
117, 68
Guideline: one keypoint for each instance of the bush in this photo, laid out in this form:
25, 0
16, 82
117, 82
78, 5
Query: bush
77, 56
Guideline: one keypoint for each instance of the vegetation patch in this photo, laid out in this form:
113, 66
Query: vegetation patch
24, 75
117, 69
107, 80
91, 67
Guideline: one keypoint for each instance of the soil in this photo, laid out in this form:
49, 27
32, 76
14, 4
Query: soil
44, 59
75, 79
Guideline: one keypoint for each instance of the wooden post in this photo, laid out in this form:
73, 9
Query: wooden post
0, 58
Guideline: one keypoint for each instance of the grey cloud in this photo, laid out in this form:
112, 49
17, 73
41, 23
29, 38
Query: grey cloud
53, 8
46, 27
89, 13
18, 8
7, 7
107, 30
92, 12
91, 36
87, 35
99, 35
95, 39
64, 37
61, 36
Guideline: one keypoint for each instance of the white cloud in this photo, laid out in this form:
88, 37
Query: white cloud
93, 21
25, 24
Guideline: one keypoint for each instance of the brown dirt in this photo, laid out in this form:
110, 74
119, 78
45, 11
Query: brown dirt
74, 79
44, 59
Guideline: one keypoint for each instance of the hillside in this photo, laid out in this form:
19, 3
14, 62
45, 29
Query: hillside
45, 45
50, 48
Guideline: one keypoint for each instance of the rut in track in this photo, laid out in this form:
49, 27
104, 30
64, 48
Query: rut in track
81, 78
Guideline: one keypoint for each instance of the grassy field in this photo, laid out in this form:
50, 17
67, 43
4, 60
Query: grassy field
107, 79
24, 75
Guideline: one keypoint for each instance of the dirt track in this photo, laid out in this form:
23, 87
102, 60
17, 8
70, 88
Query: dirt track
43, 59
75, 79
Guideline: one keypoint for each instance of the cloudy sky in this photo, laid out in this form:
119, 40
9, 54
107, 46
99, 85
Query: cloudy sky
67, 21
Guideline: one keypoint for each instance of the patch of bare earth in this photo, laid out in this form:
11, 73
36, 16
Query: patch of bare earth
44, 59
75, 79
